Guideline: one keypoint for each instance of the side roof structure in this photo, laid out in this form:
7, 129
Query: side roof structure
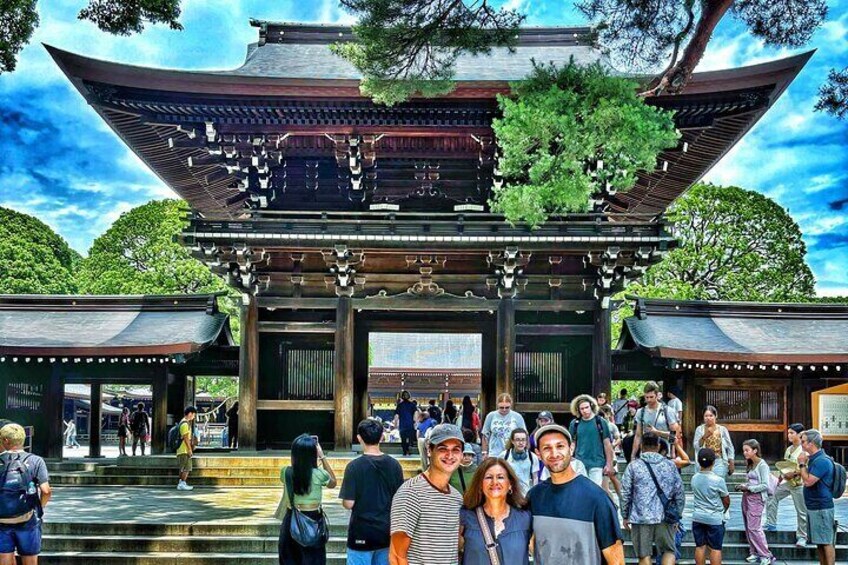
739, 332
294, 103
115, 326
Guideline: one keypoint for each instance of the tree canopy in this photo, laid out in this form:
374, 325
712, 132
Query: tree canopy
19, 19
568, 133
33, 258
735, 244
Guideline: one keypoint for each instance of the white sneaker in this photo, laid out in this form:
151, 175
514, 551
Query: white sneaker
802, 542
184, 486
750, 559
766, 560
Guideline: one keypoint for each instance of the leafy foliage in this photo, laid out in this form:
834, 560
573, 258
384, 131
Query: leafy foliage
125, 17
33, 258
736, 244
218, 387
404, 47
570, 132
833, 96
18, 20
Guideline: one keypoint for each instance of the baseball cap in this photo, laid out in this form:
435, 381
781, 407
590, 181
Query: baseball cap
444, 432
545, 415
551, 428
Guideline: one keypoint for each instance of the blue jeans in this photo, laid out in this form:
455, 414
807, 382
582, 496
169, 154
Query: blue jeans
376, 557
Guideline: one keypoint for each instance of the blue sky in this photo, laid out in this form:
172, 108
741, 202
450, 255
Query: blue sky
62, 164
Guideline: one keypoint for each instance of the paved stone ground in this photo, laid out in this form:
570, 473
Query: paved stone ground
164, 505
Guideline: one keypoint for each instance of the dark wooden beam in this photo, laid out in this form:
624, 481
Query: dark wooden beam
160, 412
601, 352
95, 420
298, 327
505, 363
248, 374
54, 406
556, 305
554, 329
310, 405
343, 371
296, 303
443, 304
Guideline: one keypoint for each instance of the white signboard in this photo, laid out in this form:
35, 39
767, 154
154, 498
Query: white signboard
833, 415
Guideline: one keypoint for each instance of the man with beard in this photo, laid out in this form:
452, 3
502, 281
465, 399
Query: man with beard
426, 508
574, 520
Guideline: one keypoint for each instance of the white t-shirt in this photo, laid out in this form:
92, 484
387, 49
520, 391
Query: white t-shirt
497, 429
677, 405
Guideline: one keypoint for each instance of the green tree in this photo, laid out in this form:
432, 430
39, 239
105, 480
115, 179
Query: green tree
735, 244
406, 47
568, 133
19, 18
225, 387
139, 254
33, 258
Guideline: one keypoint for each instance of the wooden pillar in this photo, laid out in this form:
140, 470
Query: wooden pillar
248, 373
505, 360
159, 431
799, 405
601, 351
343, 372
54, 400
95, 420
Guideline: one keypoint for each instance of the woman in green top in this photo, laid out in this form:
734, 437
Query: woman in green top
307, 480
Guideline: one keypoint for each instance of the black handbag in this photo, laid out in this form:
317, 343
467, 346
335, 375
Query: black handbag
670, 514
305, 530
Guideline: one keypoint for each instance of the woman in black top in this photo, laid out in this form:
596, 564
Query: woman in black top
450, 413
232, 426
467, 413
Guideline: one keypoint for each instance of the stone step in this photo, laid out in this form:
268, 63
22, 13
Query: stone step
268, 544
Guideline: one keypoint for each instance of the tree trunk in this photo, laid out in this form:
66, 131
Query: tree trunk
675, 78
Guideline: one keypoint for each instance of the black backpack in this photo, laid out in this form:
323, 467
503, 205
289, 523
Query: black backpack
174, 438
16, 497
837, 488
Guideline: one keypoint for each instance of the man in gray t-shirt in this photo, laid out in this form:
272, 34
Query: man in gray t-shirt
711, 503
499, 425
655, 418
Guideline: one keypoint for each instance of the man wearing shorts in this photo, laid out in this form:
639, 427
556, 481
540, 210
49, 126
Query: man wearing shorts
21, 533
186, 448
817, 473
712, 500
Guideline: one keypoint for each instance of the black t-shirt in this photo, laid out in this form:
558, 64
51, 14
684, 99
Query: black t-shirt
371, 482
435, 413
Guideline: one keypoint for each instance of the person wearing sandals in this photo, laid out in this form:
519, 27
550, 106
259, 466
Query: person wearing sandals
710, 434
495, 528
304, 481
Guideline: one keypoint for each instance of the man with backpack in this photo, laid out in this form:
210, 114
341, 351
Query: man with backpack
185, 449
140, 427
592, 439
24, 492
370, 483
824, 480
654, 418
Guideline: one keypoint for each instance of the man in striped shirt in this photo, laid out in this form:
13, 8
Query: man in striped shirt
426, 508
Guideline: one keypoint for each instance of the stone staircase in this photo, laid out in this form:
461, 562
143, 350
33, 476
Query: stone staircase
220, 543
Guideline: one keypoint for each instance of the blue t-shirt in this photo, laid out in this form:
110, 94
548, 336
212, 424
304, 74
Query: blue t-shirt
708, 490
513, 541
425, 425
819, 496
590, 446
567, 517
405, 411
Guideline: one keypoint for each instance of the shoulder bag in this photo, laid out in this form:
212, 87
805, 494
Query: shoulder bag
670, 514
306, 531
488, 539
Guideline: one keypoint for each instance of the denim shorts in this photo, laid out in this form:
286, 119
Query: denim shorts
25, 538
821, 526
376, 557
710, 535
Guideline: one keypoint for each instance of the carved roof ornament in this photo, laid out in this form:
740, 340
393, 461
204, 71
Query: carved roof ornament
342, 261
509, 266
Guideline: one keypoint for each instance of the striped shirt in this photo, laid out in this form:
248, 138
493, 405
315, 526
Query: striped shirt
427, 515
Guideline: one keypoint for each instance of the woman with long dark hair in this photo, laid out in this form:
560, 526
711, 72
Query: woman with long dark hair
494, 501
468, 414
307, 481
123, 430
450, 413
754, 497
716, 437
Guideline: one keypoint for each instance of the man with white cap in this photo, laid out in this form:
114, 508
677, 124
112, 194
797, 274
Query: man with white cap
574, 520
427, 506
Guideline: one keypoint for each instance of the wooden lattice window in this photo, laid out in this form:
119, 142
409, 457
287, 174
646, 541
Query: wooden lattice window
539, 376
24, 396
307, 374
747, 405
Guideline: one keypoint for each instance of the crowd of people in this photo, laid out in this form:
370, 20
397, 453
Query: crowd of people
554, 492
